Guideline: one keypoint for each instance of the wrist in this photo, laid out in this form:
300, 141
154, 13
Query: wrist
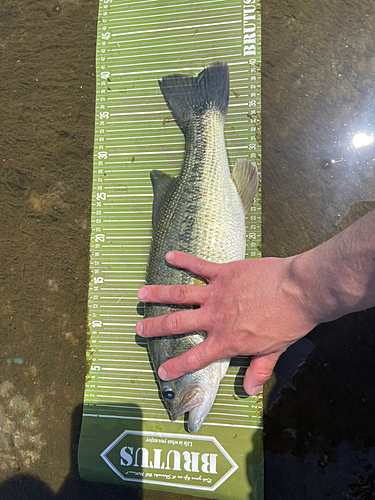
309, 280
335, 278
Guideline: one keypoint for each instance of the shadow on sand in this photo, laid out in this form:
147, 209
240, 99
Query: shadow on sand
29, 487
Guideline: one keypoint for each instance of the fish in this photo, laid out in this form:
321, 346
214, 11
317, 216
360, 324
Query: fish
201, 212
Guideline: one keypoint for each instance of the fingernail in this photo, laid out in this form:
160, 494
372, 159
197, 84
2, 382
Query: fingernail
162, 373
142, 294
255, 390
139, 328
170, 256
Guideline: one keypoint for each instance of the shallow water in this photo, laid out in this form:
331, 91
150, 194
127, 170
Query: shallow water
318, 93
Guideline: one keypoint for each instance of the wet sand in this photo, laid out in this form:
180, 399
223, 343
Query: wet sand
318, 91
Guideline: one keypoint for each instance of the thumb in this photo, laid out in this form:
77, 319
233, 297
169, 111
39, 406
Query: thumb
259, 371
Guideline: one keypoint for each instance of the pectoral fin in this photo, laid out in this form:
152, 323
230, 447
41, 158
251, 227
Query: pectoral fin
245, 178
161, 183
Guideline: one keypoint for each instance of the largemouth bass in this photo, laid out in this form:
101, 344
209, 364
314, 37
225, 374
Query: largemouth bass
201, 212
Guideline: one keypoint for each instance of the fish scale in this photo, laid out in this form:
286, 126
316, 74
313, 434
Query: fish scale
201, 213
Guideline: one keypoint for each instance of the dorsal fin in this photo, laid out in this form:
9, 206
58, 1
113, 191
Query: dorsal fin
161, 184
245, 178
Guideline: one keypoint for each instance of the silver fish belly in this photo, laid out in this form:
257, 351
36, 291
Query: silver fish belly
201, 212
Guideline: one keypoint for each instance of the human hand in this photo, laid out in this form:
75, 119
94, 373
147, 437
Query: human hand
249, 307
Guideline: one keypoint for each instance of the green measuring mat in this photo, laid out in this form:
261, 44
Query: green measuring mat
127, 437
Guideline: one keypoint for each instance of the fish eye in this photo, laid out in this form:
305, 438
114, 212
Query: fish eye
168, 394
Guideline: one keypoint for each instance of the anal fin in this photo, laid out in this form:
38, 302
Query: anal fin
245, 178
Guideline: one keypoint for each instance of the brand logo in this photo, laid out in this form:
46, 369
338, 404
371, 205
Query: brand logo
196, 462
249, 28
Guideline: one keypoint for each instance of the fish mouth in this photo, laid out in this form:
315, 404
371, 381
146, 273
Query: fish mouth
189, 400
197, 416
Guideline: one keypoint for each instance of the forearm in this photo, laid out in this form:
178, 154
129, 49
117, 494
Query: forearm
338, 277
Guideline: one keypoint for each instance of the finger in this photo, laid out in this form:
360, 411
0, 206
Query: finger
200, 267
174, 294
259, 371
170, 324
192, 360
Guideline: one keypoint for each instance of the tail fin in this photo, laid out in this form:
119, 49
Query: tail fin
187, 95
